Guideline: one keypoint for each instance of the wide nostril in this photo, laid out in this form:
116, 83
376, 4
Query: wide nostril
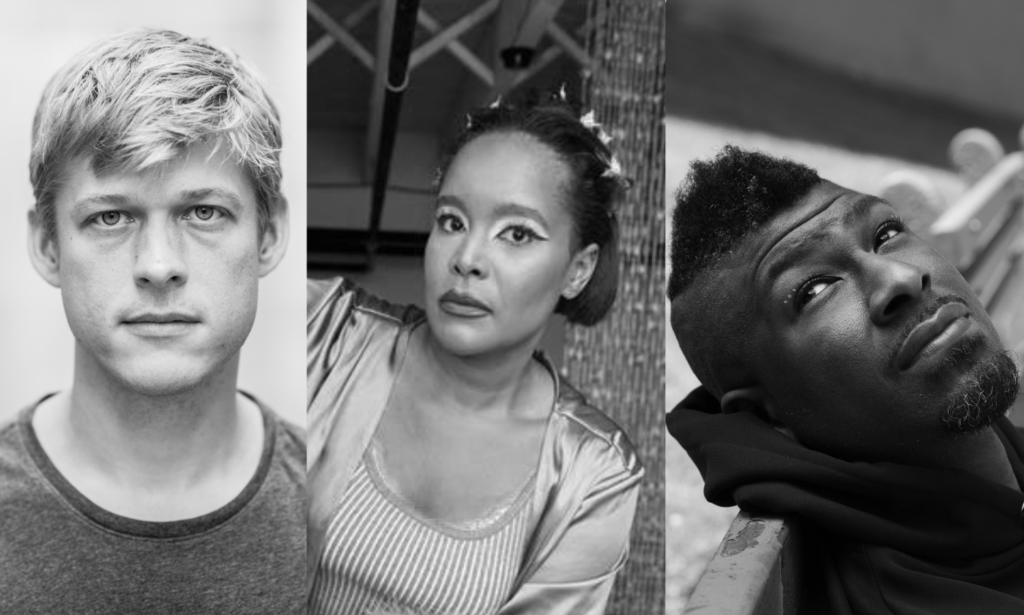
895, 304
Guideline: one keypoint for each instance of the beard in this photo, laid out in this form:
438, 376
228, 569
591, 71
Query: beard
984, 392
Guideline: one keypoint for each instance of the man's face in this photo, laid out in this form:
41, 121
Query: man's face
863, 332
158, 269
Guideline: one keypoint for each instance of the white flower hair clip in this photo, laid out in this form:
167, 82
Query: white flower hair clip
590, 123
614, 168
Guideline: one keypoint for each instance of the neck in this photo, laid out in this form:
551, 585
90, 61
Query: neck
491, 380
150, 438
981, 454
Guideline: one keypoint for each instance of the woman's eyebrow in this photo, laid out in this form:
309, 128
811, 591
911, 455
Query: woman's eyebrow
516, 209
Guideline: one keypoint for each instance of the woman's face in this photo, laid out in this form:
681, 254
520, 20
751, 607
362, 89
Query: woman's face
500, 253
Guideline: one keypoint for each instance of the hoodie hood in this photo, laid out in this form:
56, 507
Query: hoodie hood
880, 520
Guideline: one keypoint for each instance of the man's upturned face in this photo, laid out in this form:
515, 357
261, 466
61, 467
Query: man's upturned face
158, 269
866, 336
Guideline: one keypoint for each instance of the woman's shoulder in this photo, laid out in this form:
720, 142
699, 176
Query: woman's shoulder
327, 298
594, 433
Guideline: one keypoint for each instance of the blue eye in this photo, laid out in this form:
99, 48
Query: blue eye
110, 219
203, 212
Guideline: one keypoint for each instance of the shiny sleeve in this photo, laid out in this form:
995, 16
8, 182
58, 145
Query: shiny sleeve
575, 575
328, 307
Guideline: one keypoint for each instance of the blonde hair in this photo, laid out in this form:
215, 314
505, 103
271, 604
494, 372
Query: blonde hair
144, 97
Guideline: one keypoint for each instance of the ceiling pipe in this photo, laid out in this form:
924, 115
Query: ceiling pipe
397, 80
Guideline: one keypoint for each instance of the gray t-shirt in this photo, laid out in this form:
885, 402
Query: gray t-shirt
60, 553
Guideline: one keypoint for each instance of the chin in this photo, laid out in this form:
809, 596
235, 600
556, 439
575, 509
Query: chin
982, 394
164, 381
165, 375
461, 342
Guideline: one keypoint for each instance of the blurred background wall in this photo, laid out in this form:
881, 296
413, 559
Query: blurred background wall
36, 38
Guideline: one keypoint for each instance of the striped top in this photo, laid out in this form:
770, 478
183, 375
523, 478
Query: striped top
384, 558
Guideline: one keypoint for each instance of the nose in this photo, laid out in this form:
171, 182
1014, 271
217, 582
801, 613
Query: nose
895, 286
469, 258
159, 261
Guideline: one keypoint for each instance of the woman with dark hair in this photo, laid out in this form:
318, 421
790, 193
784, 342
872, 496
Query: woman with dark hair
451, 469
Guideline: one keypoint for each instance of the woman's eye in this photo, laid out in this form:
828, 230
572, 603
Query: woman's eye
449, 223
810, 291
518, 234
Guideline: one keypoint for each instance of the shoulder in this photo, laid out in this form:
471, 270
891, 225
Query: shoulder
336, 299
289, 438
594, 435
21, 478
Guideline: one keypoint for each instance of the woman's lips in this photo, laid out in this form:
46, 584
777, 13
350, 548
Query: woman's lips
462, 305
934, 335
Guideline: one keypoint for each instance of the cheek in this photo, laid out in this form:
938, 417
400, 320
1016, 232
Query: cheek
434, 261
534, 281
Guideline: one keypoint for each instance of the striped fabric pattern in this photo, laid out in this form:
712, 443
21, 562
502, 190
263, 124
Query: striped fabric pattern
382, 558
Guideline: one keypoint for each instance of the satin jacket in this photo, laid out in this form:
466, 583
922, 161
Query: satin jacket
587, 481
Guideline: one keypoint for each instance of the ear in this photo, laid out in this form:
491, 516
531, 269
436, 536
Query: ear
746, 399
753, 400
274, 241
581, 268
42, 250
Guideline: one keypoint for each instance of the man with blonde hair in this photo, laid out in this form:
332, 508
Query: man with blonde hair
152, 484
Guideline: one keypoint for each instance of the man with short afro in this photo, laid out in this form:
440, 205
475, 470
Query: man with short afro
850, 377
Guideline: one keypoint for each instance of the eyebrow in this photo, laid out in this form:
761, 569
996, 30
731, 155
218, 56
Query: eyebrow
116, 200
793, 254
202, 194
501, 211
192, 195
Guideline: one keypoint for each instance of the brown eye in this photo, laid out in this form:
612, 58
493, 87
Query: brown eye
449, 223
519, 234
889, 230
110, 218
810, 291
203, 212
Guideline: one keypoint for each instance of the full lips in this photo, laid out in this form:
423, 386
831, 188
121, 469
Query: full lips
460, 304
935, 333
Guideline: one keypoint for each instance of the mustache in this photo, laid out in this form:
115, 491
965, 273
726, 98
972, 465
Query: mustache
926, 312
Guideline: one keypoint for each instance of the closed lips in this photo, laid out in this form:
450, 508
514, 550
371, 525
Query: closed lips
161, 319
928, 331
452, 297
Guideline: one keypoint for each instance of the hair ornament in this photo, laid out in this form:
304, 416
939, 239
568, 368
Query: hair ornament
590, 123
614, 168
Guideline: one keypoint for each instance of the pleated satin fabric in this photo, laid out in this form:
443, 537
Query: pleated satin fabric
582, 507
884, 537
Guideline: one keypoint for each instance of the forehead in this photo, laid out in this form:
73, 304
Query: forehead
825, 211
506, 167
198, 168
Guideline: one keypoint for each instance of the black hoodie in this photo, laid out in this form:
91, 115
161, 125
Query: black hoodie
889, 538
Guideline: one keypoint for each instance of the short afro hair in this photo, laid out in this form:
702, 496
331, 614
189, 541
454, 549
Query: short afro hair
723, 200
